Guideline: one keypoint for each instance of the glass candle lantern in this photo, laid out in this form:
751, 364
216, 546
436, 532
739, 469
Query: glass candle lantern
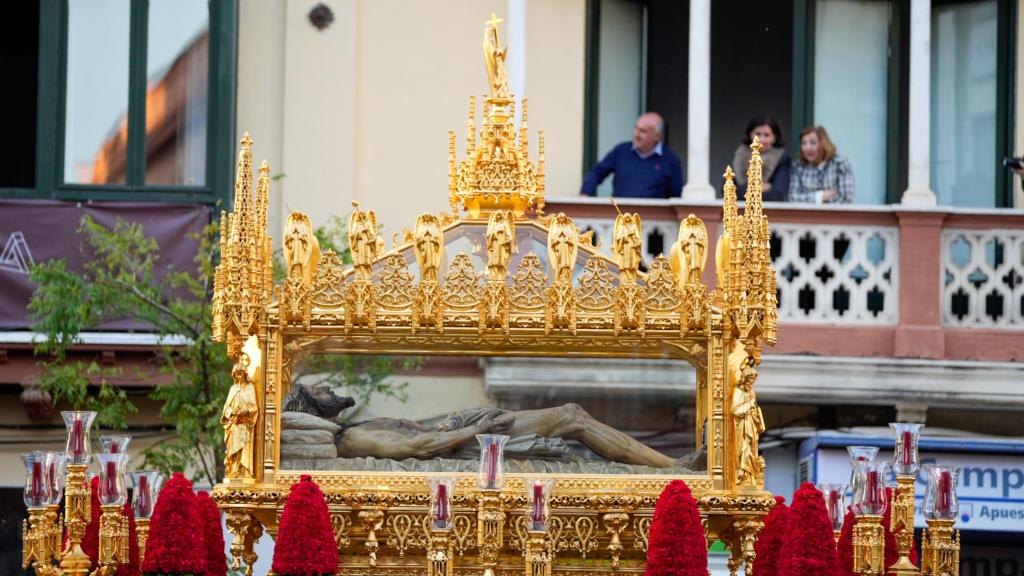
905, 459
491, 475
37, 486
55, 476
441, 491
859, 454
115, 443
940, 499
869, 496
78, 424
538, 493
147, 487
112, 484
835, 503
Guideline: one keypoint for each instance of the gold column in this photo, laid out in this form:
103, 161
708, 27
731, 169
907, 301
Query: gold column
489, 535
902, 524
113, 540
940, 549
77, 513
36, 541
869, 546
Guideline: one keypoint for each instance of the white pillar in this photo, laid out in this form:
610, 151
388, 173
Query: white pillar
698, 120
516, 47
919, 187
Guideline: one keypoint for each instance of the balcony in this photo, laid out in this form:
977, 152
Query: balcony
869, 281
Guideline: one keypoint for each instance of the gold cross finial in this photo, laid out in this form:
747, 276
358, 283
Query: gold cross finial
494, 21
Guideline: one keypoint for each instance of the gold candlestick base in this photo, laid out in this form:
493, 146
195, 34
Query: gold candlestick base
439, 559
489, 535
538, 559
37, 541
902, 525
77, 513
940, 549
869, 546
142, 533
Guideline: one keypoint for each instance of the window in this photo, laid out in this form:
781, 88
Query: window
19, 52
143, 105
964, 78
851, 63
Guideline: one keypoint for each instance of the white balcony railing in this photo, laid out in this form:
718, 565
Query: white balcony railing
983, 278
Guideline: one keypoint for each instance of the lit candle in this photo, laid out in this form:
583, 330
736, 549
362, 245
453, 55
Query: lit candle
77, 440
442, 504
112, 478
538, 503
492, 465
872, 500
908, 448
37, 482
53, 481
833, 505
143, 496
944, 497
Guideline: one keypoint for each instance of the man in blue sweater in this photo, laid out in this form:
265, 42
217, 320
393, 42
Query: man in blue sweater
644, 167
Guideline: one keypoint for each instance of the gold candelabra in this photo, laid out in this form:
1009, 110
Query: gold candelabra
940, 543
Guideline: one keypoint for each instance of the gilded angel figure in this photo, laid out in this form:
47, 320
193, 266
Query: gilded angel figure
429, 246
689, 254
364, 242
626, 244
563, 240
500, 243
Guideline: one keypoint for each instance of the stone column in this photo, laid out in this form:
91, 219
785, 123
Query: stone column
919, 190
698, 118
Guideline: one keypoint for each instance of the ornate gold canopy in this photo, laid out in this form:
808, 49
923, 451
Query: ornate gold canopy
500, 278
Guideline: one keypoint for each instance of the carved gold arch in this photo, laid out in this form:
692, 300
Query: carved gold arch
532, 285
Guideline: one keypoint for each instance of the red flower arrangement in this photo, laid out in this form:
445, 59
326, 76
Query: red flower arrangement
677, 546
216, 560
769, 543
808, 548
91, 538
305, 540
845, 544
175, 532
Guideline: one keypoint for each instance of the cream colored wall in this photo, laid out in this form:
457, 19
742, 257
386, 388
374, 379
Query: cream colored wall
361, 110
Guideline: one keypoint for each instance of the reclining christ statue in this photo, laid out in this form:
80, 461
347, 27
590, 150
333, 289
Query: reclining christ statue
398, 438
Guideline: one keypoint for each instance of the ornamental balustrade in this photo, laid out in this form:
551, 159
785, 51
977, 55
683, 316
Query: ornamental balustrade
983, 278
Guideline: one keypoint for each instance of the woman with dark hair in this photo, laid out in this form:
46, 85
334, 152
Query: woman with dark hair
820, 175
775, 170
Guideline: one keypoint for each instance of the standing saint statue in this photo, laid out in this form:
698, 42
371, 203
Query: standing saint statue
494, 59
748, 422
240, 411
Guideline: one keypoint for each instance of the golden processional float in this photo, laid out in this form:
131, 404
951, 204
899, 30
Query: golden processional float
497, 277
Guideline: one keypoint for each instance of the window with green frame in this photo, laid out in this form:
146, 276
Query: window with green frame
135, 101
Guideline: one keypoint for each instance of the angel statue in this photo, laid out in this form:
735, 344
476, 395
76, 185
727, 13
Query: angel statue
240, 411
429, 246
563, 240
748, 422
494, 59
501, 234
364, 242
301, 249
689, 254
626, 245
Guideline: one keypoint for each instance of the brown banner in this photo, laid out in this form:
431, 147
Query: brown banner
34, 231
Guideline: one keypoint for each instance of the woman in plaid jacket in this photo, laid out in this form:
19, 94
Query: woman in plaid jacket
820, 176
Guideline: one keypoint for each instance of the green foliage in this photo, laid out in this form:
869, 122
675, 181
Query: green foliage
121, 282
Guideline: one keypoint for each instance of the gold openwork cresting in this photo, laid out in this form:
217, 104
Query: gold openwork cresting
566, 300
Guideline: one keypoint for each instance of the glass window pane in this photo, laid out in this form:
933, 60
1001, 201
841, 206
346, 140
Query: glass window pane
19, 52
850, 87
963, 130
96, 109
620, 76
177, 60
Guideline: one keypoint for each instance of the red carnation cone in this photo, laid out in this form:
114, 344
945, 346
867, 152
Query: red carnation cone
677, 546
216, 560
808, 548
769, 543
305, 540
91, 538
175, 532
845, 545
